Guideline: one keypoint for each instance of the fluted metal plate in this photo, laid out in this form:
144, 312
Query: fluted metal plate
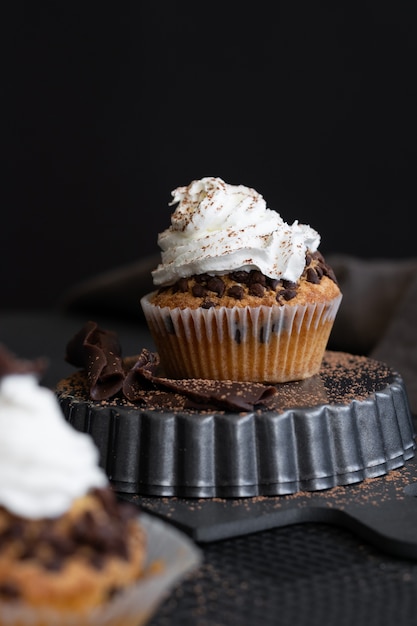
306, 448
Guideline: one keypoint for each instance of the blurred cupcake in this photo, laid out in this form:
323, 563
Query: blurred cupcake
241, 294
70, 552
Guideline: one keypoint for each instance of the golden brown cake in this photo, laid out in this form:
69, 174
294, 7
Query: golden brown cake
241, 295
72, 562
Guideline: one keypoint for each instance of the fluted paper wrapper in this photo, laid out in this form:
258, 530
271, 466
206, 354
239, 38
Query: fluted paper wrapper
171, 555
260, 344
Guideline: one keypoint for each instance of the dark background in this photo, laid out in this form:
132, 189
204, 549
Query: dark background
111, 105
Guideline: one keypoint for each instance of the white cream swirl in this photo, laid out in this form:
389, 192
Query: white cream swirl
45, 463
218, 228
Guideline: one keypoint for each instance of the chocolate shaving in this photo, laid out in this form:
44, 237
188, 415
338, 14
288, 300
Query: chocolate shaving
140, 377
224, 394
10, 364
98, 351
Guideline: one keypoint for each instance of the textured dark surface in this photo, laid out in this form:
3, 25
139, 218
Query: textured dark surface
303, 575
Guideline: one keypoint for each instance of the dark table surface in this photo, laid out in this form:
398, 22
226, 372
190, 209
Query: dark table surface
298, 574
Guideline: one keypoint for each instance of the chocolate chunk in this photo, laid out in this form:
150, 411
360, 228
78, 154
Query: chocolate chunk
202, 278
208, 304
273, 283
64, 546
288, 294
181, 285
319, 271
236, 292
9, 591
312, 276
328, 271
199, 291
54, 564
257, 277
99, 352
240, 276
108, 501
217, 285
256, 289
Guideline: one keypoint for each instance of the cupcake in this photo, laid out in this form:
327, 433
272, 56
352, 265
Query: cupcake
240, 294
70, 552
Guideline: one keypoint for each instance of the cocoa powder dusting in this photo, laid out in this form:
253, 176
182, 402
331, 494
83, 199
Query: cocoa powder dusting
342, 378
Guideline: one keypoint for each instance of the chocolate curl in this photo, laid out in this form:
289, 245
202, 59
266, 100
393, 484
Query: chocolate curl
98, 352
10, 364
224, 394
140, 377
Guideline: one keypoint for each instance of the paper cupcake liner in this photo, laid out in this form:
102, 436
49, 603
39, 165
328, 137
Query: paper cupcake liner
265, 344
172, 553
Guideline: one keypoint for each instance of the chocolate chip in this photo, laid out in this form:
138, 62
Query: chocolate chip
273, 283
208, 304
202, 278
217, 285
288, 294
289, 284
236, 292
108, 501
181, 285
327, 271
319, 271
256, 289
62, 545
27, 553
198, 290
257, 277
83, 530
54, 564
240, 276
9, 591
312, 276
14, 531
99, 535
97, 560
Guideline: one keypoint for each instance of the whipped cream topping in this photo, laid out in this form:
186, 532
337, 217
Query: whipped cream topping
217, 228
45, 463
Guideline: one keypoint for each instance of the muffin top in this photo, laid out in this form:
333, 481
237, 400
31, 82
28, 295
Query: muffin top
218, 228
251, 288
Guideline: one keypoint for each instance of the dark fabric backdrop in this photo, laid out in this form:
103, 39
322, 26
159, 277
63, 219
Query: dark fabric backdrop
109, 106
